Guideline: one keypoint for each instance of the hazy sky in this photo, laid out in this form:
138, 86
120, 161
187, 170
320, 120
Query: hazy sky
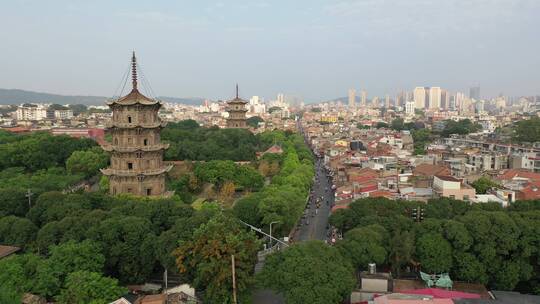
312, 48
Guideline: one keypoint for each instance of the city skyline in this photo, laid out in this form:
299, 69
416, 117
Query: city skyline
314, 49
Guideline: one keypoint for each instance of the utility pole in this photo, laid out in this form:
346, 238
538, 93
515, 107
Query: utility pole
275, 222
233, 279
29, 195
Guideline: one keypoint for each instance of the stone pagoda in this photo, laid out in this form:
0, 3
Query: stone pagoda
136, 150
237, 112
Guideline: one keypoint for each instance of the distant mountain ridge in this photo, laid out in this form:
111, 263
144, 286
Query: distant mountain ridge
16, 96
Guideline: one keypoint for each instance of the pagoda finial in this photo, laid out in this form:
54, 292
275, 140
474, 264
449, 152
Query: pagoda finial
237, 91
134, 71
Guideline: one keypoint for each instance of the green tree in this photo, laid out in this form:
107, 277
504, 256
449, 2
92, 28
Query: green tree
206, 258
129, 247
17, 231
78, 108
85, 287
527, 130
381, 125
72, 256
401, 250
363, 246
309, 266
434, 253
398, 124
254, 121
13, 201
421, 137
483, 184
87, 162
462, 127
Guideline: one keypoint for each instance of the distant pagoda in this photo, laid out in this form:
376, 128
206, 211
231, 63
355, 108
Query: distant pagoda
136, 151
237, 112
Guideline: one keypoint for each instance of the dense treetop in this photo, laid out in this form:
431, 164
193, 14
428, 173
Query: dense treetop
481, 243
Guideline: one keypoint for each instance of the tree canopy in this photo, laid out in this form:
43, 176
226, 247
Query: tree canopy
474, 243
527, 130
308, 272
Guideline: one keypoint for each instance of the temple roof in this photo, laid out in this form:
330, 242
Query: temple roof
134, 97
237, 99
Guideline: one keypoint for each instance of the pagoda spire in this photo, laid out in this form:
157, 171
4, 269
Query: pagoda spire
237, 91
134, 71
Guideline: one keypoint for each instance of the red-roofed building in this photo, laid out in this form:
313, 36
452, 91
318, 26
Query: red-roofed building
531, 191
518, 174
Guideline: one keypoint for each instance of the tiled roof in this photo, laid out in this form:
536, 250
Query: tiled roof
7, 250
429, 170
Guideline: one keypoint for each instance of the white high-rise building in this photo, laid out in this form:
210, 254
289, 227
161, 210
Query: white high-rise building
420, 97
352, 98
280, 99
434, 97
409, 107
254, 100
387, 101
363, 100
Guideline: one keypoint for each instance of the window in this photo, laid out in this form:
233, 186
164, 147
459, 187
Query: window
139, 154
149, 191
452, 196
130, 165
116, 141
465, 197
145, 142
130, 140
129, 119
129, 190
114, 190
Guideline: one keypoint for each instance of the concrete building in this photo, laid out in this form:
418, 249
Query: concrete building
434, 97
63, 114
474, 93
363, 98
136, 151
420, 97
451, 187
29, 111
352, 98
409, 108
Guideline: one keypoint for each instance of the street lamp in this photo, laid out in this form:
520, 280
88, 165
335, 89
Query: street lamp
271, 232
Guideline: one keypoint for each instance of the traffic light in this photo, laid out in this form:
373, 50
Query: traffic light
417, 214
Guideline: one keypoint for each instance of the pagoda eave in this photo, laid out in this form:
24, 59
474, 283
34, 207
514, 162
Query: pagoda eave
152, 148
133, 173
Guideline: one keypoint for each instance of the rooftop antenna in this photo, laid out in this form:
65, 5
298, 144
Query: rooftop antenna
134, 71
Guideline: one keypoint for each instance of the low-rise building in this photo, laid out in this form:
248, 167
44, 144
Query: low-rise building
451, 187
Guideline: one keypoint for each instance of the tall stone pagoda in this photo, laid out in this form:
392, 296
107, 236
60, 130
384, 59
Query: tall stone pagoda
237, 112
136, 150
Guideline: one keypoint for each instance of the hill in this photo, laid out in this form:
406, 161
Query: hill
15, 97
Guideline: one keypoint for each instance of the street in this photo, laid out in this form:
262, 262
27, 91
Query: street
314, 223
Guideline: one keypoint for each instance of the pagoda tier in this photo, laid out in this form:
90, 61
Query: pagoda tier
144, 125
133, 98
124, 149
135, 173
